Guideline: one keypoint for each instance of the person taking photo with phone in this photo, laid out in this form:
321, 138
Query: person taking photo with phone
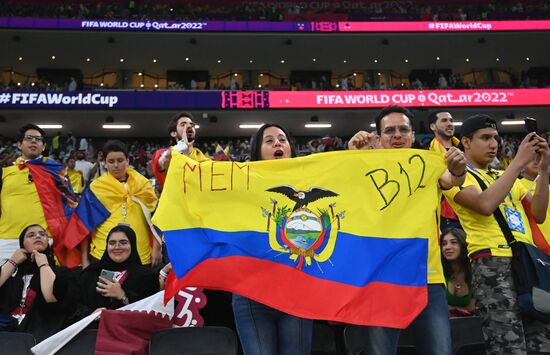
119, 278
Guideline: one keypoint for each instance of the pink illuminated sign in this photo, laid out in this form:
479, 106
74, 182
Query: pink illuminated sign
270, 26
438, 26
265, 100
410, 98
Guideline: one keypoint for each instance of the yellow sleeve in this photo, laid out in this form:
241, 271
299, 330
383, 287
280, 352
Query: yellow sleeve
452, 192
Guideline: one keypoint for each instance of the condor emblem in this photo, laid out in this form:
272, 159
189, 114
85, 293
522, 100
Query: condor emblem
299, 231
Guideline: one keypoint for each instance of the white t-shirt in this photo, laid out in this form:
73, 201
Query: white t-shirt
84, 167
83, 144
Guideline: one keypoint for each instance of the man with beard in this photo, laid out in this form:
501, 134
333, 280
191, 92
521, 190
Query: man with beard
441, 123
182, 135
218, 311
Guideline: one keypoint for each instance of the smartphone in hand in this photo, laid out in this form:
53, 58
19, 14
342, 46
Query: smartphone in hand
530, 124
107, 274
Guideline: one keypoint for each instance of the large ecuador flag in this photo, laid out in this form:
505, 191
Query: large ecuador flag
339, 236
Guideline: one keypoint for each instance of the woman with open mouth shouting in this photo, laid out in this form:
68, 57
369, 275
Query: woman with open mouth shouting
262, 329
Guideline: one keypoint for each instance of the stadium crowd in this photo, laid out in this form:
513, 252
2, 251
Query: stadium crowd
141, 150
435, 80
55, 273
118, 259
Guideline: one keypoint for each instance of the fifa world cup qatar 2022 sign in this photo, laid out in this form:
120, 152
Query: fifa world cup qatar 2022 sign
271, 26
206, 99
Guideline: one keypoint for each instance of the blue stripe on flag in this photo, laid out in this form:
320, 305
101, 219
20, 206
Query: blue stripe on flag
356, 260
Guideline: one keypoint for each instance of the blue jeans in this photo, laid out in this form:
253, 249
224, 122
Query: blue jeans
431, 329
267, 331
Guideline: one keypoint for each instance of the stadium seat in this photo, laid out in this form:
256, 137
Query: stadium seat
197, 341
82, 344
16, 343
324, 339
467, 336
465, 332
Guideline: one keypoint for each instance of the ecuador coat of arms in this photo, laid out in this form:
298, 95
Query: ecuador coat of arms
299, 231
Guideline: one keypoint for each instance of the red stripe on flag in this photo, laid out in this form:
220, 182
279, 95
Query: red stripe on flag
282, 287
51, 200
66, 251
75, 233
172, 286
70, 258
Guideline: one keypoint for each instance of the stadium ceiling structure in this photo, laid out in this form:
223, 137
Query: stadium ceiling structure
253, 53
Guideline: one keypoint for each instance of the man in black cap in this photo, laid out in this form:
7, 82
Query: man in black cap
493, 285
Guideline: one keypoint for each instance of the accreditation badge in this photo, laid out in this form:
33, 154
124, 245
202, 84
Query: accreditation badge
515, 222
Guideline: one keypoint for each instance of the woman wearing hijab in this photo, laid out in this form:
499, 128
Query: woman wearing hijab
38, 295
118, 278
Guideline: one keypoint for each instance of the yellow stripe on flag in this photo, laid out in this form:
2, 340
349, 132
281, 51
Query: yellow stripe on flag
385, 193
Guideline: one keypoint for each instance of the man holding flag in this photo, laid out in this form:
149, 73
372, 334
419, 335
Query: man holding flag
34, 190
431, 328
183, 134
310, 236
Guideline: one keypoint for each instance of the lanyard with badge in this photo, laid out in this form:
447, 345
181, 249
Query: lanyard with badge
27, 297
513, 215
124, 211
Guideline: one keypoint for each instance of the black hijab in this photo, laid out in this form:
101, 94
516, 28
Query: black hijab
133, 260
140, 282
42, 319
11, 291
29, 266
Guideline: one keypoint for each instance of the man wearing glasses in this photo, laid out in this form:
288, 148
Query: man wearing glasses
431, 327
20, 203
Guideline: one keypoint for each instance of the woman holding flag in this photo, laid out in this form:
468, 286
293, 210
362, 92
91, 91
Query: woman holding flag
262, 329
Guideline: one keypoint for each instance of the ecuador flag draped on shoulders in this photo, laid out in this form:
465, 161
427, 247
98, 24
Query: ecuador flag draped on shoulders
55, 193
340, 236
